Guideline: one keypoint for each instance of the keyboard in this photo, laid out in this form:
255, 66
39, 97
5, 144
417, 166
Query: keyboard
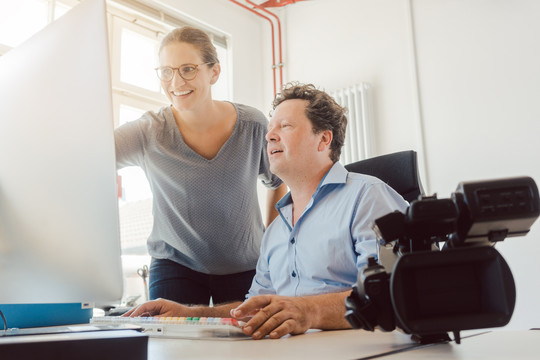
180, 327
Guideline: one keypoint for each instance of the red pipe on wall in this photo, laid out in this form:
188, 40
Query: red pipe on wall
280, 64
273, 47
277, 3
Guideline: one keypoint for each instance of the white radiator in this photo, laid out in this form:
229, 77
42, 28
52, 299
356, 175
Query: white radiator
358, 140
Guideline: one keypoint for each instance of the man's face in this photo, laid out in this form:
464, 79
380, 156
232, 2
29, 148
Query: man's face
292, 145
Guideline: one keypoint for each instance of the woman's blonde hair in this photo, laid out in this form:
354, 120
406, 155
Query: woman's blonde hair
195, 37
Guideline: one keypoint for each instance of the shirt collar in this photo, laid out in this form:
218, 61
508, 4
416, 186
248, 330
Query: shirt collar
336, 175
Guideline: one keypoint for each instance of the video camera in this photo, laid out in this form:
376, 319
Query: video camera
428, 291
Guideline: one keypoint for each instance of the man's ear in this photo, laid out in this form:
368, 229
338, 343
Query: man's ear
326, 140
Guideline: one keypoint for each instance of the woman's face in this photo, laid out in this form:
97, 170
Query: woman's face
187, 95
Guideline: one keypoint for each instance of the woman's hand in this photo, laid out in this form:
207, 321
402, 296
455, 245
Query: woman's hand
159, 307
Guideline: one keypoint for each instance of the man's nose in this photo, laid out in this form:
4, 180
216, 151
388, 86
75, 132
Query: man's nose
271, 135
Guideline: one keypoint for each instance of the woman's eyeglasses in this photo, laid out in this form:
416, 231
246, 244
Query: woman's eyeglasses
186, 71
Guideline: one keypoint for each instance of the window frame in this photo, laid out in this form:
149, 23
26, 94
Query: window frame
124, 92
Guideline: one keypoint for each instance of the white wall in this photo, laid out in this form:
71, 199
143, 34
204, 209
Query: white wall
477, 98
467, 97
480, 90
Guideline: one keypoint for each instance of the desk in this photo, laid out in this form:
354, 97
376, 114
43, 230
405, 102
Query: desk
495, 345
352, 344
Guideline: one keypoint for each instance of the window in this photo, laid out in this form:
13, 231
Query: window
23, 18
12, 30
137, 46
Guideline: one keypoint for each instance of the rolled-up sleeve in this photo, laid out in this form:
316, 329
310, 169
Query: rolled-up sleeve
377, 201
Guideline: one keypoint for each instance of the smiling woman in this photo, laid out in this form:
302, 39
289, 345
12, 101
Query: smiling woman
135, 33
202, 158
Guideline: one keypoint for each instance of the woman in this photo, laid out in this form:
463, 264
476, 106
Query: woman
202, 158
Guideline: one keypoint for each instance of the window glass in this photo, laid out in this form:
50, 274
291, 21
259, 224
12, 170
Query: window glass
129, 113
60, 9
137, 60
135, 205
220, 90
21, 19
134, 183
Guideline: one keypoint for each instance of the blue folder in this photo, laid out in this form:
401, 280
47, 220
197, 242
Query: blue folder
36, 315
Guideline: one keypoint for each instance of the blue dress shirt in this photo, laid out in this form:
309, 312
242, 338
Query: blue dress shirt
330, 241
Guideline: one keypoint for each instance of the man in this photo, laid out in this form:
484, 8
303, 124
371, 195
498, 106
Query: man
311, 254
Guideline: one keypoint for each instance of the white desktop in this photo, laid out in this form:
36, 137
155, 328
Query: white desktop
59, 227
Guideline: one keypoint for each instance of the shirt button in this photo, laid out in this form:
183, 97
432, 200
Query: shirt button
293, 274
292, 241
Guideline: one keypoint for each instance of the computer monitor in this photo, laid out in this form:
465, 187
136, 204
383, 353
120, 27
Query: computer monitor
59, 226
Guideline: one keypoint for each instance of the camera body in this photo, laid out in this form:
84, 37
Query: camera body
429, 291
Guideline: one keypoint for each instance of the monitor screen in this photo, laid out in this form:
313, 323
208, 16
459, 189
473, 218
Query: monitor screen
59, 231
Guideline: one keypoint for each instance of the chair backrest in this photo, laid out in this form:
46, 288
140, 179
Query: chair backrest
399, 170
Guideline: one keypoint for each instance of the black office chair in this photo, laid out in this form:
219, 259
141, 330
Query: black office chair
399, 170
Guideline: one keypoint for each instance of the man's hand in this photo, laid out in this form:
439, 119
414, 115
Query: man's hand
275, 315
159, 307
